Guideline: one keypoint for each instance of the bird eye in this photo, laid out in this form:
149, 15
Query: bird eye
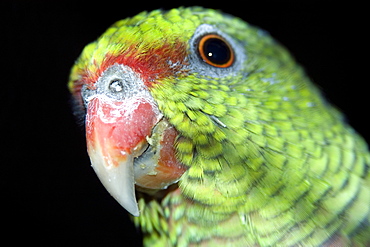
215, 51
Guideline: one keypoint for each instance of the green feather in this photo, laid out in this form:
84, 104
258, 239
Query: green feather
270, 162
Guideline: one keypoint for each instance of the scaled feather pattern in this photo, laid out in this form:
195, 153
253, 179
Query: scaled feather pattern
207, 131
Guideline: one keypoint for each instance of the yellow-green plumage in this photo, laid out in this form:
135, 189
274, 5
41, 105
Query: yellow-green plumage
270, 162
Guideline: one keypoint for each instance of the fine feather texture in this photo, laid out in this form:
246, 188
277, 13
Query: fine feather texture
269, 161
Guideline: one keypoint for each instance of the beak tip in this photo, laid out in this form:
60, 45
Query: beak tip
135, 212
118, 180
128, 202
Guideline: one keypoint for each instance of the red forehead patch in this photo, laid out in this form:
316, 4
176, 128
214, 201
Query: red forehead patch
153, 64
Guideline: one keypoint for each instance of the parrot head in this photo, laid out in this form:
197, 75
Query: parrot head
119, 81
155, 91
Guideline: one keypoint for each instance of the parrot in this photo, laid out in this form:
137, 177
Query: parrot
207, 131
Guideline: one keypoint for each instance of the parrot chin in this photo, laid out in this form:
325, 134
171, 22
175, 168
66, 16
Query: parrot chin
131, 145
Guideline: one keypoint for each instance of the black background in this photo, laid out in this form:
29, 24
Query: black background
49, 193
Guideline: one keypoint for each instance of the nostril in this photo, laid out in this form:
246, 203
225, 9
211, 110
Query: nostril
116, 85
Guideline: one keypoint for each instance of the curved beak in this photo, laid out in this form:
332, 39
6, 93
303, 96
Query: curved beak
116, 133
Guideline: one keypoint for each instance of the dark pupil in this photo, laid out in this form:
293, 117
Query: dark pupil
216, 50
